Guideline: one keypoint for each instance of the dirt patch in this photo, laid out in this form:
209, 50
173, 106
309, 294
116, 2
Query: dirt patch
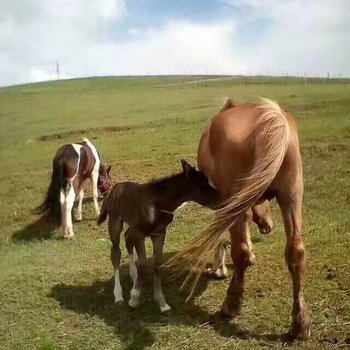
149, 126
106, 129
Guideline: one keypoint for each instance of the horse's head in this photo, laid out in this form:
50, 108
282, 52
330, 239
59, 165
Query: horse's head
104, 182
199, 189
262, 217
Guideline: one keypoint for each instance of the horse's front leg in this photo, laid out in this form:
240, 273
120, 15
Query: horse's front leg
115, 227
134, 238
158, 243
94, 180
242, 257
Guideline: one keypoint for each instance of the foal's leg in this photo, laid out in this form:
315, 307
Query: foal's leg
219, 269
137, 239
115, 227
158, 243
129, 241
291, 206
79, 215
242, 257
67, 223
94, 179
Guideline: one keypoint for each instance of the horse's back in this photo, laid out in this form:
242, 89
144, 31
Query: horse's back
67, 156
229, 146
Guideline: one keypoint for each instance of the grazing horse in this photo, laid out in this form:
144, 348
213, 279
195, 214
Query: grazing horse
148, 209
72, 165
250, 153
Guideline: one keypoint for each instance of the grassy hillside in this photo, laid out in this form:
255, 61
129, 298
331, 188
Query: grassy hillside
57, 294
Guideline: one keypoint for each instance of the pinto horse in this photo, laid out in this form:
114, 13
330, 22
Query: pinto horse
250, 153
72, 165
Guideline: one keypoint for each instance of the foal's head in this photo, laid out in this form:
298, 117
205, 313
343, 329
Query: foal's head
104, 182
199, 189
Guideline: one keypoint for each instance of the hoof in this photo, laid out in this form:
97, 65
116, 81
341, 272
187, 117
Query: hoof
300, 328
298, 334
119, 301
220, 318
227, 314
165, 310
219, 274
133, 304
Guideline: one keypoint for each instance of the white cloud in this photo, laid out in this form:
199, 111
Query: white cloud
310, 36
302, 36
35, 33
179, 47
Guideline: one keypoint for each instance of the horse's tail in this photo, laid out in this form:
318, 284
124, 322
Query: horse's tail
272, 137
51, 204
103, 213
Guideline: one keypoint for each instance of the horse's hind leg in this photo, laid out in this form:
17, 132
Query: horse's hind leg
79, 215
130, 244
242, 257
136, 239
291, 206
67, 202
115, 227
158, 243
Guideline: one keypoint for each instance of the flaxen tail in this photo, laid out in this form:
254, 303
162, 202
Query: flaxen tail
51, 206
272, 137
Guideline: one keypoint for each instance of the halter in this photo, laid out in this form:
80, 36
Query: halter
108, 184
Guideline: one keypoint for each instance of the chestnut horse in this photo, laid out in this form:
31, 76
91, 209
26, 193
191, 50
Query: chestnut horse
250, 152
72, 165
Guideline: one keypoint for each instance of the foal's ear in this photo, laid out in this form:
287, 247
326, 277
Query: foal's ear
109, 169
186, 168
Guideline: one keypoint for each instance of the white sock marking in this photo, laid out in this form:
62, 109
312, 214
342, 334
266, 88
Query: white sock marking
133, 269
118, 292
134, 297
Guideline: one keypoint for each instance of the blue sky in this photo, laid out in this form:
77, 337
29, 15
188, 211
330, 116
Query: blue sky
123, 37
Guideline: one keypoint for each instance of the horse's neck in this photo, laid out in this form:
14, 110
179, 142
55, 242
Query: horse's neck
170, 199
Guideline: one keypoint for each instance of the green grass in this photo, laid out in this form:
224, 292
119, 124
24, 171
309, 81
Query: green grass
57, 294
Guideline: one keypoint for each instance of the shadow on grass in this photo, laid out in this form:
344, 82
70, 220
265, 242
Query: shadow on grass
40, 229
133, 327
43, 228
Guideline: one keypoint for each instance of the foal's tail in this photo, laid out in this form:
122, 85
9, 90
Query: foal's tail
103, 213
51, 204
272, 137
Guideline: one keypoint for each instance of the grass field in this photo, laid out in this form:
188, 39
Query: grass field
57, 294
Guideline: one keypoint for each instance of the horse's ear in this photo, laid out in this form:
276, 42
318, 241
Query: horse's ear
109, 169
186, 168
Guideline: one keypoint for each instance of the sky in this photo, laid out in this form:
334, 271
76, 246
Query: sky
145, 37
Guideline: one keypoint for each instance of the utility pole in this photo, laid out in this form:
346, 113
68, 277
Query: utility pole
58, 70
